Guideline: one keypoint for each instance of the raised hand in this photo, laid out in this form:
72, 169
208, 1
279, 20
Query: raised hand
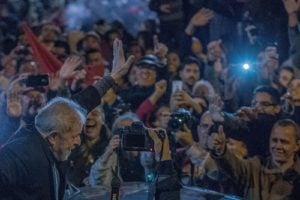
120, 66
160, 87
184, 136
165, 8
202, 17
159, 143
54, 82
160, 49
14, 105
217, 142
291, 6
68, 69
215, 108
113, 143
246, 113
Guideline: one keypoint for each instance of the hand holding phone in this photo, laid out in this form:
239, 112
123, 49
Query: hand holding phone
37, 80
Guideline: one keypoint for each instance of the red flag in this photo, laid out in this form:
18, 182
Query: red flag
48, 62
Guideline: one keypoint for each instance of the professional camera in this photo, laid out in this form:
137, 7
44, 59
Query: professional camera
135, 138
179, 118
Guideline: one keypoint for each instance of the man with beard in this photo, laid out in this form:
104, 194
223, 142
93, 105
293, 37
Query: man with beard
19, 108
30, 166
253, 124
48, 35
32, 99
190, 73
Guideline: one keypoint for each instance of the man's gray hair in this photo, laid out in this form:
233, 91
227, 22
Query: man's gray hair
60, 115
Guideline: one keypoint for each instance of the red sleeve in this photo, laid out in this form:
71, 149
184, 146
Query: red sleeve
144, 110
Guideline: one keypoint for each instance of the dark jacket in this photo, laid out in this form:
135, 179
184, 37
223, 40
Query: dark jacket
136, 95
260, 178
28, 169
255, 134
10, 124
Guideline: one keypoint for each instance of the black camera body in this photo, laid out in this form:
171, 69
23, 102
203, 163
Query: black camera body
179, 119
135, 138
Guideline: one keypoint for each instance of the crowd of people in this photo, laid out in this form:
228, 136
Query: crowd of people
228, 127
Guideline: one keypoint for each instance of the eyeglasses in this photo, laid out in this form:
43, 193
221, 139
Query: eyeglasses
262, 103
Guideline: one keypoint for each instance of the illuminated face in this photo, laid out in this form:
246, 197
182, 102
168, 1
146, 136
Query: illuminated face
132, 76
95, 59
294, 89
214, 51
146, 76
163, 116
64, 143
283, 144
262, 102
190, 74
49, 32
196, 46
285, 77
10, 68
29, 67
136, 51
91, 43
173, 62
93, 124
237, 147
203, 128
32, 101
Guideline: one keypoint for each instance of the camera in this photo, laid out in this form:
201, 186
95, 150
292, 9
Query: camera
135, 138
179, 118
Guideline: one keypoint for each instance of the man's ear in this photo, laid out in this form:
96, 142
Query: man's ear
52, 137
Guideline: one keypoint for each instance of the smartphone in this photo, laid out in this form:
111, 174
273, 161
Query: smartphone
37, 80
176, 86
92, 71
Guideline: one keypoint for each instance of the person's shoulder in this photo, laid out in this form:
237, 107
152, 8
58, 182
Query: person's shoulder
23, 142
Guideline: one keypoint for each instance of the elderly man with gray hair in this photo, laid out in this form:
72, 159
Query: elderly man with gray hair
30, 164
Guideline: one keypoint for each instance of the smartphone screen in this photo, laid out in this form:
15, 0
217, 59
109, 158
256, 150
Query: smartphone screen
176, 86
37, 80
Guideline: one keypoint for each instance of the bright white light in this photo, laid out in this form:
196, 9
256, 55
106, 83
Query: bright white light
246, 66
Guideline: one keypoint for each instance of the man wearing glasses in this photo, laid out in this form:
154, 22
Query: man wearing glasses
253, 125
